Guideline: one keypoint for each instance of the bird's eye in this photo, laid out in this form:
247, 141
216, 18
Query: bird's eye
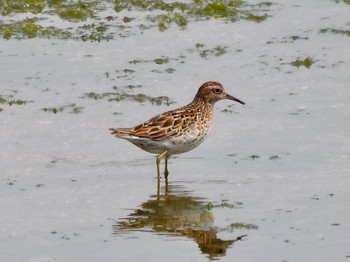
217, 90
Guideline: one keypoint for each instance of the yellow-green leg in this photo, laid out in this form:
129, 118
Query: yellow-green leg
160, 157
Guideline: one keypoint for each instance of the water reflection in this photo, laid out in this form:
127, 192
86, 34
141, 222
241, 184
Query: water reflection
175, 211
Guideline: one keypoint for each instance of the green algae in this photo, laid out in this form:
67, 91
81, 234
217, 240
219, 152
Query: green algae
71, 14
8, 7
122, 96
287, 39
157, 61
11, 101
2, 100
342, 1
89, 23
180, 20
28, 28
52, 109
335, 31
74, 109
239, 225
66, 10
307, 62
256, 18
94, 33
234, 11
222, 204
204, 52
215, 9
127, 19
16, 102
96, 96
169, 70
296, 37
160, 61
141, 98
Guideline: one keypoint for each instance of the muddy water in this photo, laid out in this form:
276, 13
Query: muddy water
270, 183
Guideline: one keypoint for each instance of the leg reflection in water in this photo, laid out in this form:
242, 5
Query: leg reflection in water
174, 210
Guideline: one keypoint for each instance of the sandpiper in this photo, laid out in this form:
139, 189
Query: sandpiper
179, 130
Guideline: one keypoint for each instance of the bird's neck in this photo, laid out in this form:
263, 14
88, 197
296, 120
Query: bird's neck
202, 108
201, 103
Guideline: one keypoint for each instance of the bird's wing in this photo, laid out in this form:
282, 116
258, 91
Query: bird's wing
162, 126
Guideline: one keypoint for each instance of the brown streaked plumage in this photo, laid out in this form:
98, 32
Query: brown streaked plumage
179, 130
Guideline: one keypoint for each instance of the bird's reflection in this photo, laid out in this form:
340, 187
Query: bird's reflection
175, 211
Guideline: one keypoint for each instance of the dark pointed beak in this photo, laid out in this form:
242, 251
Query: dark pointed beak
234, 99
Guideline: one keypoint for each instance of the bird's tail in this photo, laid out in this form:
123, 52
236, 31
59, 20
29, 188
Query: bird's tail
120, 132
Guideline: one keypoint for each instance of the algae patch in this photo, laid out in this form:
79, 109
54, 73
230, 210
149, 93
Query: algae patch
335, 31
10, 101
87, 20
239, 225
307, 62
121, 96
205, 52
74, 109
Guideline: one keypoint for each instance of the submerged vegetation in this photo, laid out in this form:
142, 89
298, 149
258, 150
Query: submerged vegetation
344, 1
74, 109
92, 20
11, 101
141, 98
307, 62
335, 31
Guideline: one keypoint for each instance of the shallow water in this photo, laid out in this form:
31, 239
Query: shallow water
270, 183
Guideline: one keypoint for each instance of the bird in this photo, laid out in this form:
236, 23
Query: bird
179, 130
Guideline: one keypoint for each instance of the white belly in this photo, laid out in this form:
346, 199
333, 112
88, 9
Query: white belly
174, 145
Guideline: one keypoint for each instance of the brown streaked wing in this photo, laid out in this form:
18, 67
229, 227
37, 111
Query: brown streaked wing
163, 126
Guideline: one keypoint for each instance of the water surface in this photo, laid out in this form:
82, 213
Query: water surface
270, 183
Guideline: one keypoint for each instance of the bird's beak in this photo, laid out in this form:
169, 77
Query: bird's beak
234, 99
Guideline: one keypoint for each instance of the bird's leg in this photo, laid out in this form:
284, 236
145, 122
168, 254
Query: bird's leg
166, 172
166, 187
158, 158
158, 189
